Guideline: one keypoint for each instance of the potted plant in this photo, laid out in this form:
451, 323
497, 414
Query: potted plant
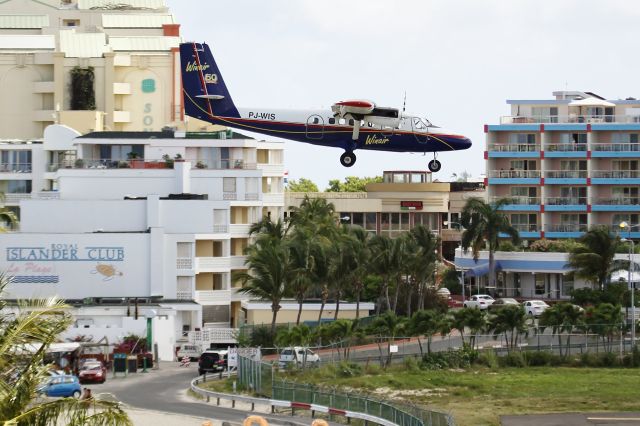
168, 161
201, 165
135, 161
79, 163
123, 165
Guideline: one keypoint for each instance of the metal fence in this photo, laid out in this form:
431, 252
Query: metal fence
256, 376
402, 415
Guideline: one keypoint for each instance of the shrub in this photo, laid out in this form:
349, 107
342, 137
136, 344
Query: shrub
507, 246
348, 369
411, 364
372, 369
488, 359
83, 96
513, 359
462, 358
541, 359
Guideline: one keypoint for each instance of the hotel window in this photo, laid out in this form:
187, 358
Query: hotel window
625, 193
15, 161
632, 219
524, 192
573, 222
517, 284
522, 138
15, 186
545, 114
426, 219
370, 222
567, 138
524, 222
229, 184
567, 285
357, 219
540, 284
624, 165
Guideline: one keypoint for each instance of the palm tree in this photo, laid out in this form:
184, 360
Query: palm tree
484, 223
269, 273
37, 324
388, 325
426, 322
358, 254
593, 258
424, 262
384, 262
7, 217
472, 319
510, 322
303, 264
562, 318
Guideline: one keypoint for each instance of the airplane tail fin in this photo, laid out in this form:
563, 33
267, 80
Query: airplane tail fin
204, 91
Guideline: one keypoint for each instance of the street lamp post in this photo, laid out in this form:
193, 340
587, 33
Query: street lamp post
633, 287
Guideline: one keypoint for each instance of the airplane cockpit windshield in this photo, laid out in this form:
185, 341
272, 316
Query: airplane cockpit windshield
421, 123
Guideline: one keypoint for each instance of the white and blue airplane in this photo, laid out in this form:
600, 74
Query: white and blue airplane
350, 125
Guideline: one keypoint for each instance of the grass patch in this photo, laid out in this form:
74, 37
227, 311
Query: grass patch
217, 385
479, 395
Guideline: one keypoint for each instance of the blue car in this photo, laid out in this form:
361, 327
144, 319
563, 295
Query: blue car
62, 385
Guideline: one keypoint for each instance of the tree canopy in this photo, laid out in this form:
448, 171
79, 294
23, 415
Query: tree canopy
352, 184
302, 185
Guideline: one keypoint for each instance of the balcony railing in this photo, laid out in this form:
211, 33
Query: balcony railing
183, 263
571, 118
618, 201
140, 163
213, 296
526, 227
514, 147
566, 174
567, 227
615, 147
197, 163
203, 263
220, 229
566, 147
513, 174
566, 201
527, 201
251, 196
616, 174
15, 167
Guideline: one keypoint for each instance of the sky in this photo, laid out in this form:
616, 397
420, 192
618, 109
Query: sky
458, 61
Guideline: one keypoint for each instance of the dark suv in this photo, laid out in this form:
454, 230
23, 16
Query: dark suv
212, 360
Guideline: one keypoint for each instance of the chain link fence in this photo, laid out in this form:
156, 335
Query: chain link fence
256, 376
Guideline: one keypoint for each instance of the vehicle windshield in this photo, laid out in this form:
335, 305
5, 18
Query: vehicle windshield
538, 303
91, 367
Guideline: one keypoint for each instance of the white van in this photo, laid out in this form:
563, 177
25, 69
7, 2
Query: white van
297, 355
190, 350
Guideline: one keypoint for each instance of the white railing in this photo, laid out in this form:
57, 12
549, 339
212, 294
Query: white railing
240, 228
232, 196
15, 198
204, 263
251, 196
48, 195
615, 174
213, 296
571, 118
528, 201
273, 198
566, 174
514, 147
271, 169
566, 228
331, 195
615, 147
183, 263
237, 295
184, 295
220, 229
618, 201
237, 262
566, 147
513, 174
15, 167
566, 201
526, 227
213, 335
205, 164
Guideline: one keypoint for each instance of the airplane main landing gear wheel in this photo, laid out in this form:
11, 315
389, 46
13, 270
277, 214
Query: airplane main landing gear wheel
348, 159
434, 166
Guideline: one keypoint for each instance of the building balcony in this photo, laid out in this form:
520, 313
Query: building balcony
616, 204
519, 203
238, 262
15, 168
562, 204
565, 230
220, 229
615, 177
184, 295
237, 295
528, 230
273, 198
213, 264
213, 297
16, 198
511, 177
565, 150
571, 118
241, 229
564, 177
271, 169
615, 150
207, 164
513, 150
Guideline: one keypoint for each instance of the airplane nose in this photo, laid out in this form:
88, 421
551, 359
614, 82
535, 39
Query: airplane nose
466, 143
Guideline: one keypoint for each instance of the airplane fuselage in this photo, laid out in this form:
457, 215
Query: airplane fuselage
320, 127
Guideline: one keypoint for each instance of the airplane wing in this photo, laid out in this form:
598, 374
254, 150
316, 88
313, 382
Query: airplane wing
353, 108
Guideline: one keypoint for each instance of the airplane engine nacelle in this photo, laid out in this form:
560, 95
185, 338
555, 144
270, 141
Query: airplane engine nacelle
354, 108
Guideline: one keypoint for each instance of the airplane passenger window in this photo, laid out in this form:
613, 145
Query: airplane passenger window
332, 121
316, 120
342, 121
351, 122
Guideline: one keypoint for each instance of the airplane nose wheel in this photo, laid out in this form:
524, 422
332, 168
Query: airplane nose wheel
434, 166
348, 159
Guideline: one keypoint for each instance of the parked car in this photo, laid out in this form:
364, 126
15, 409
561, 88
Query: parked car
212, 360
502, 302
535, 308
296, 355
62, 385
479, 301
92, 371
189, 350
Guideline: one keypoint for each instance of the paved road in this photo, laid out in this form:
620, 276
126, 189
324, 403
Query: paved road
590, 419
166, 390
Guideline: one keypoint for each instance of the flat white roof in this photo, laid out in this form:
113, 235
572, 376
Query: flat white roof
293, 306
23, 21
83, 45
27, 42
148, 20
115, 4
143, 44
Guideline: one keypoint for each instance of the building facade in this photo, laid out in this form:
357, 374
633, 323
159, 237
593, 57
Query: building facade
130, 47
129, 223
566, 164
